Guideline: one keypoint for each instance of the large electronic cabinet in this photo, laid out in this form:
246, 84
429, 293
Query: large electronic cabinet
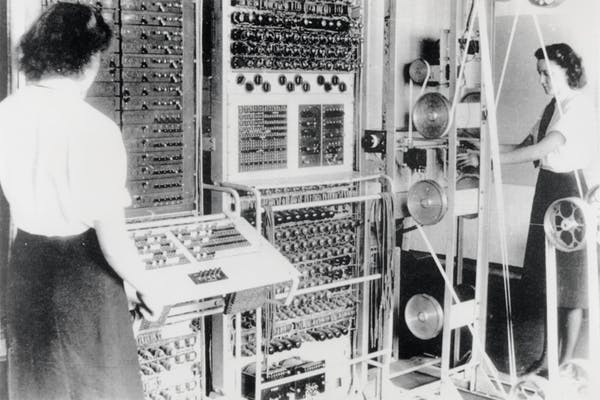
284, 84
147, 85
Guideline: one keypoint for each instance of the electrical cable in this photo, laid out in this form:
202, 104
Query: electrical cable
268, 308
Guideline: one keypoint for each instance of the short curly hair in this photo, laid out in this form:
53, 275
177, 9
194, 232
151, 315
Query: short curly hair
63, 40
566, 58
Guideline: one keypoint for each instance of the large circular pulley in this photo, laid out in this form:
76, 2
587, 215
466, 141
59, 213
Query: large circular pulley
424, 316
419, 70
532, 387
567, 223
431, 115
427, 202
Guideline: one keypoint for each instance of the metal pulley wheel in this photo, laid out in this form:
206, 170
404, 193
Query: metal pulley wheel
427, 202
431, 115
575, 378
419, 70
424, 316
532, 387
567, 223
593, 199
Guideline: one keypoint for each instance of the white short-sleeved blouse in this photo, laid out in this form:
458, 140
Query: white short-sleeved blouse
578, 127
62, 162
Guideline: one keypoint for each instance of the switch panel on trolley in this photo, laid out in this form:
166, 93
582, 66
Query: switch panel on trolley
202, 257
147, 85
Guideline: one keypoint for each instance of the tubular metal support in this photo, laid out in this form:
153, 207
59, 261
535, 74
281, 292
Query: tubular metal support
257, 197
230, 191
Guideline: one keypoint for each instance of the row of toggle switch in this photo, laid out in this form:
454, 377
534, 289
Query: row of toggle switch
289, 63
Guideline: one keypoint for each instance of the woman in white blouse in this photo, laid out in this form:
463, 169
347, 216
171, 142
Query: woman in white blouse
63, 171
563, 143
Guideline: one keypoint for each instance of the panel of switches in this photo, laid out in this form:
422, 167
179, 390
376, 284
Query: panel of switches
262, 137
181, 244
322, 244
146, 84
171, 363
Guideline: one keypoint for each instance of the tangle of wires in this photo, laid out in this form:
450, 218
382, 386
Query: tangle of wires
385, 236
269, 308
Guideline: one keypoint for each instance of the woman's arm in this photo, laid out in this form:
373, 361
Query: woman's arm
471, 157
551, 142
120, 252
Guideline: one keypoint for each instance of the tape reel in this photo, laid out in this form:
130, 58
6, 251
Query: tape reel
427, 202
567, 223
424, 316
431, 115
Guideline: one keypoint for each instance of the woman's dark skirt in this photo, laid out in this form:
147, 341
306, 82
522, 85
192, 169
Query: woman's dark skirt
69, 331
571, 267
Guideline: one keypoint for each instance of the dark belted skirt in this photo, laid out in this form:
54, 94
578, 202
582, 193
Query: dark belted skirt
69, 329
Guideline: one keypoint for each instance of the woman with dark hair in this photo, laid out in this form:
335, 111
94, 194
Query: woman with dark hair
63, 171
563, 143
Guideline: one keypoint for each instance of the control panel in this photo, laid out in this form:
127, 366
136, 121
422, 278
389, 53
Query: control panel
263, 137
201, 257
146, 84
321, 243
283, 77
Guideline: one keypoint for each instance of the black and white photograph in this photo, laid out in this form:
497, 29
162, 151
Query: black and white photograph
299, 199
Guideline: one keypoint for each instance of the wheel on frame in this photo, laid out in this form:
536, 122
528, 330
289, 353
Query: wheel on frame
431, 115
567, 223
424, 316
419, 70
532, 387
427, 202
